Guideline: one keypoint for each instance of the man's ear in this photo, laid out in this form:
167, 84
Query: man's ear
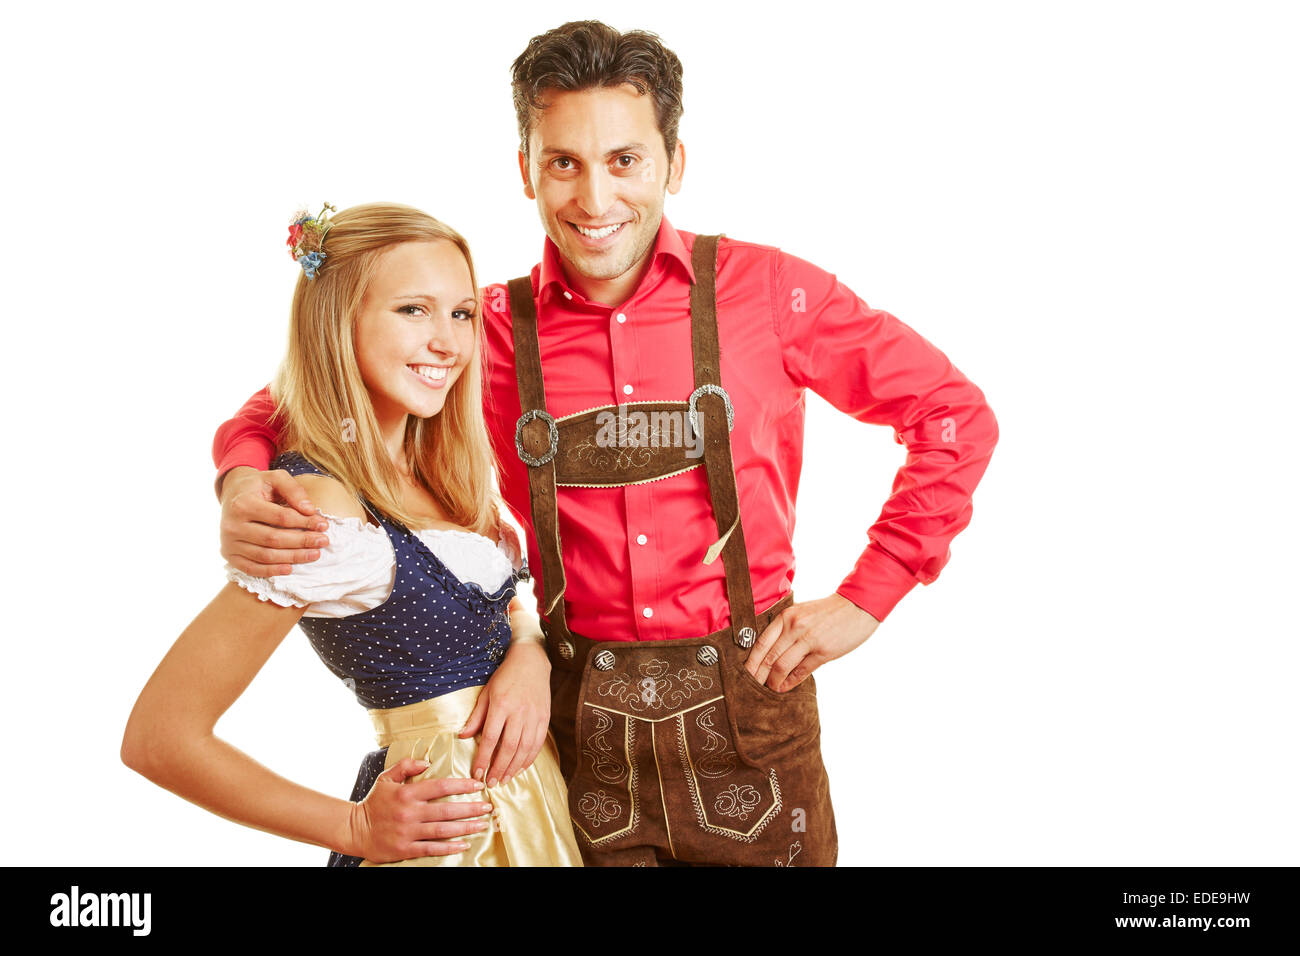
523, 171
676, 168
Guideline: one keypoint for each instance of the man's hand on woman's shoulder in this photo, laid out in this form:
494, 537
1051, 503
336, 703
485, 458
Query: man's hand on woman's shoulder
268, 521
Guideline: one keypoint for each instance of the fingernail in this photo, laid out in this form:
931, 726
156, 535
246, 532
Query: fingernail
478, 775
320, 542
423, 764
480, 826
492, 782
506, 779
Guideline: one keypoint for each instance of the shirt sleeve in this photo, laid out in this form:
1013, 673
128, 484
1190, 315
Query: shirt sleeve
354, 573
870, 365
249, 438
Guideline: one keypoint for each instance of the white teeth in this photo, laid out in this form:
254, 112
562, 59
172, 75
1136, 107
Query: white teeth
599, 233
433, 372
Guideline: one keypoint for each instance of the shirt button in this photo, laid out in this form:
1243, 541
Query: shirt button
641, 539
568, 295
647, 612
621, 318
627, 389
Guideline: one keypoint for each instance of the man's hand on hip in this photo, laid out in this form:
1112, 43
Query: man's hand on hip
260, 537
805, 636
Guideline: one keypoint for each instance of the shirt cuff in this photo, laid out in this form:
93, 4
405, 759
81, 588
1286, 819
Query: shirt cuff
878, 583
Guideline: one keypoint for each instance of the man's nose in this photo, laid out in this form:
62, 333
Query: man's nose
595, 193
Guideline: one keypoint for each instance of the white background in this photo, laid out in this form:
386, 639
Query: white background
1092, 209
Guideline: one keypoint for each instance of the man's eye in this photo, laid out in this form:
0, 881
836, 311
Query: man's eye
562, 162
631, 161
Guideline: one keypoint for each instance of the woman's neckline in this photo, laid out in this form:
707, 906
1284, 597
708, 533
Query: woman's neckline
371, 514
369, 524
460, 531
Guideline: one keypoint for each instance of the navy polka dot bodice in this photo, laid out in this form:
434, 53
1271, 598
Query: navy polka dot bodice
435, 633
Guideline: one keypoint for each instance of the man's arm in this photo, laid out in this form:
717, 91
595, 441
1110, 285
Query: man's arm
249, 439
259, 536
870, 365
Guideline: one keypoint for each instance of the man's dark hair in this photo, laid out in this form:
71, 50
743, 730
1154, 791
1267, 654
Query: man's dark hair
583, 54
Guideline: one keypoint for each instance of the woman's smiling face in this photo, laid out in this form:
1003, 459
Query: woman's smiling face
415, 328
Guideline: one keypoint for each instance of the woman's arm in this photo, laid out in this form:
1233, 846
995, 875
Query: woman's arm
525, 627
169, 739
514, 710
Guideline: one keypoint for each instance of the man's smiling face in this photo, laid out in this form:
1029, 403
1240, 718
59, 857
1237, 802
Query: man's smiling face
599, 171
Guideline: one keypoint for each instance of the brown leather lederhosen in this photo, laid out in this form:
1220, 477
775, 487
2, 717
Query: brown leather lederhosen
672, 750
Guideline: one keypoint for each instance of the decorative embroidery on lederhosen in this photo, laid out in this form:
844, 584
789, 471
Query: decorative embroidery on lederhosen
608, 756
592, 454
685, 734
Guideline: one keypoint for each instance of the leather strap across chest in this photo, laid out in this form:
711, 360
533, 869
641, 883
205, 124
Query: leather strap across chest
568, 451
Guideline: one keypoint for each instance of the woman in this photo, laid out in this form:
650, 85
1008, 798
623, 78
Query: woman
411, 603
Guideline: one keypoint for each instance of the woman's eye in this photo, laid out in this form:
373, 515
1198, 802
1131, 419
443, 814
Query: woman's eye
464, 314
411, 309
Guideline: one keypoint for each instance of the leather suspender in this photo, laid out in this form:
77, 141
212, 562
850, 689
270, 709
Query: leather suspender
711, 413
714, 414
537, 440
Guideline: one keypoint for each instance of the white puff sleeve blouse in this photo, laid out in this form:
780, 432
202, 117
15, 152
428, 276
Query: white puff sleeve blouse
355, 570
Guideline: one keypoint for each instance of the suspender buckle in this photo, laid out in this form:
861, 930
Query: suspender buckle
711, 390
554, 429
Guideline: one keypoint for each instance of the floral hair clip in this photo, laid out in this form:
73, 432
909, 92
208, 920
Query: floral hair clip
306, 235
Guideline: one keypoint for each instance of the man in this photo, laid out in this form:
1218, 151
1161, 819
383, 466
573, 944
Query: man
645, 398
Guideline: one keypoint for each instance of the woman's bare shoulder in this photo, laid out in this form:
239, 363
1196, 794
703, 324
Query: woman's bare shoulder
330, 496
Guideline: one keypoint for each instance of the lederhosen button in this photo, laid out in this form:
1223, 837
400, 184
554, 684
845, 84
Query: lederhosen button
604, 660
707, 655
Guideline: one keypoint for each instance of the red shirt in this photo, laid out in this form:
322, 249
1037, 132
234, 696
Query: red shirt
633, 555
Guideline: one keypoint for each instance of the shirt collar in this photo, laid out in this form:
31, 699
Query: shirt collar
668, 245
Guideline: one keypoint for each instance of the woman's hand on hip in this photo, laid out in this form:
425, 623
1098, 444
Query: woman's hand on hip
401, 821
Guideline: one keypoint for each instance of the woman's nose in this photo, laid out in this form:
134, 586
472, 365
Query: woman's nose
442, 337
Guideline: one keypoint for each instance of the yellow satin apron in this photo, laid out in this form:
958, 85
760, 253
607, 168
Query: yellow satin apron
529, 825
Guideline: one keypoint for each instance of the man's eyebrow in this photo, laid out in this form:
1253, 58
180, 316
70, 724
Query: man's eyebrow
626, 148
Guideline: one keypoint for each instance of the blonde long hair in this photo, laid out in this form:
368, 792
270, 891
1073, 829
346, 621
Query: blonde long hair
322, 405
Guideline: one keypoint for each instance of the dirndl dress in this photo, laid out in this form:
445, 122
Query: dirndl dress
417, 662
